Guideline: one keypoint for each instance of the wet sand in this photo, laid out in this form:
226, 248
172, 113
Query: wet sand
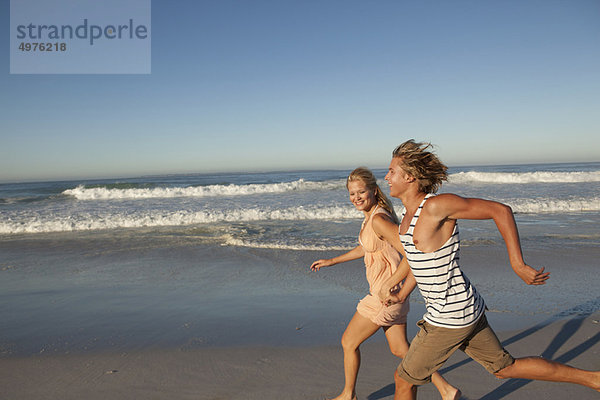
100, 317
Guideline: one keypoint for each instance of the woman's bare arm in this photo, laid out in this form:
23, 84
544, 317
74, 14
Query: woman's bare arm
353, 254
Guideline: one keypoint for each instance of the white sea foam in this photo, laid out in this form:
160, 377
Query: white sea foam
524, 177
83, 222
103, 193
232, 241
553, 205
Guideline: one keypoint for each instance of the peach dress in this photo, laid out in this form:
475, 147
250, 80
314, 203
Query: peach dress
381, 260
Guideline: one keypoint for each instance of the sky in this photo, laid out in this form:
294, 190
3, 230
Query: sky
254, 85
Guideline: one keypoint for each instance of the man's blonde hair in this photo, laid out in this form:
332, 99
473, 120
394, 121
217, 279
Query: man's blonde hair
421, 164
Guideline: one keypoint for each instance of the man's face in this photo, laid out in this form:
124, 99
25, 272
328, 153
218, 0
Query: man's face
397, 178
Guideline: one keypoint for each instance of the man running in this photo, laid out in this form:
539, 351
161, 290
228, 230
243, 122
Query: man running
455, 317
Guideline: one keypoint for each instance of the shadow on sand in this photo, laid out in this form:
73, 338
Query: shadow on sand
571, 326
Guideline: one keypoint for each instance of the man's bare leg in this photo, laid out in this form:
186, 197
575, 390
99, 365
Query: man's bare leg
404, 390
539, 368
396, 336
447, 391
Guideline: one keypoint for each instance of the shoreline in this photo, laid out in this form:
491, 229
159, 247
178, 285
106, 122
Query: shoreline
289, 372
77, 294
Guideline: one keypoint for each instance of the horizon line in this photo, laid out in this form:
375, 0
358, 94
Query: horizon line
257, 171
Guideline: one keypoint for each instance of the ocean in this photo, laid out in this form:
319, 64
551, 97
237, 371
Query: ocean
292, 210
189, 250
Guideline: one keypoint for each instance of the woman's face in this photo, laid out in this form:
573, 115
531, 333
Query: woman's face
362, 197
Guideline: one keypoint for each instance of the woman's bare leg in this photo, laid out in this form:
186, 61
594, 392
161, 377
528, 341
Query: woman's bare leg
359, 329
396, 336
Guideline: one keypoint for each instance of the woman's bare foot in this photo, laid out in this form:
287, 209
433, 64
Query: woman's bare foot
452, 394
345, 396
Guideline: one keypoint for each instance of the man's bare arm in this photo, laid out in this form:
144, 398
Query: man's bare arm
450, 206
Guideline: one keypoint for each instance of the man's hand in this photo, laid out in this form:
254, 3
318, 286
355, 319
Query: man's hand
384, 293
532, 276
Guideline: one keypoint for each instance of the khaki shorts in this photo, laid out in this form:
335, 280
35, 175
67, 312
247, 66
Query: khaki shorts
433, 345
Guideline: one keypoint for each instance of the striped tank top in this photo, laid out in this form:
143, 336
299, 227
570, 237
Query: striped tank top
450, 299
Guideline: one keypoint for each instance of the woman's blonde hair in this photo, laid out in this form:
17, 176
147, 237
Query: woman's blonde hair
365, 175
421, 164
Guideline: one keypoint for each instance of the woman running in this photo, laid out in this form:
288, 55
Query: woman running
381, 260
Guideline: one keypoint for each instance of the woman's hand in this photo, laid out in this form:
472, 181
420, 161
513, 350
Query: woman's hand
394, 298
317, 265
353, 254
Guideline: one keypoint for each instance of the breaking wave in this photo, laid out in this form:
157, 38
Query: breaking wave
524, 177
108, 218
106, 193
86, 221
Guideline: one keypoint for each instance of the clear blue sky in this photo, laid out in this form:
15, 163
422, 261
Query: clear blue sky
307, 84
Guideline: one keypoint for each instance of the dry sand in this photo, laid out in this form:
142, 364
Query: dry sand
289, 372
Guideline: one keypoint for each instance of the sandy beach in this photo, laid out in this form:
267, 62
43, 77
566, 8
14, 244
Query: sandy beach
157, 316
305, 372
